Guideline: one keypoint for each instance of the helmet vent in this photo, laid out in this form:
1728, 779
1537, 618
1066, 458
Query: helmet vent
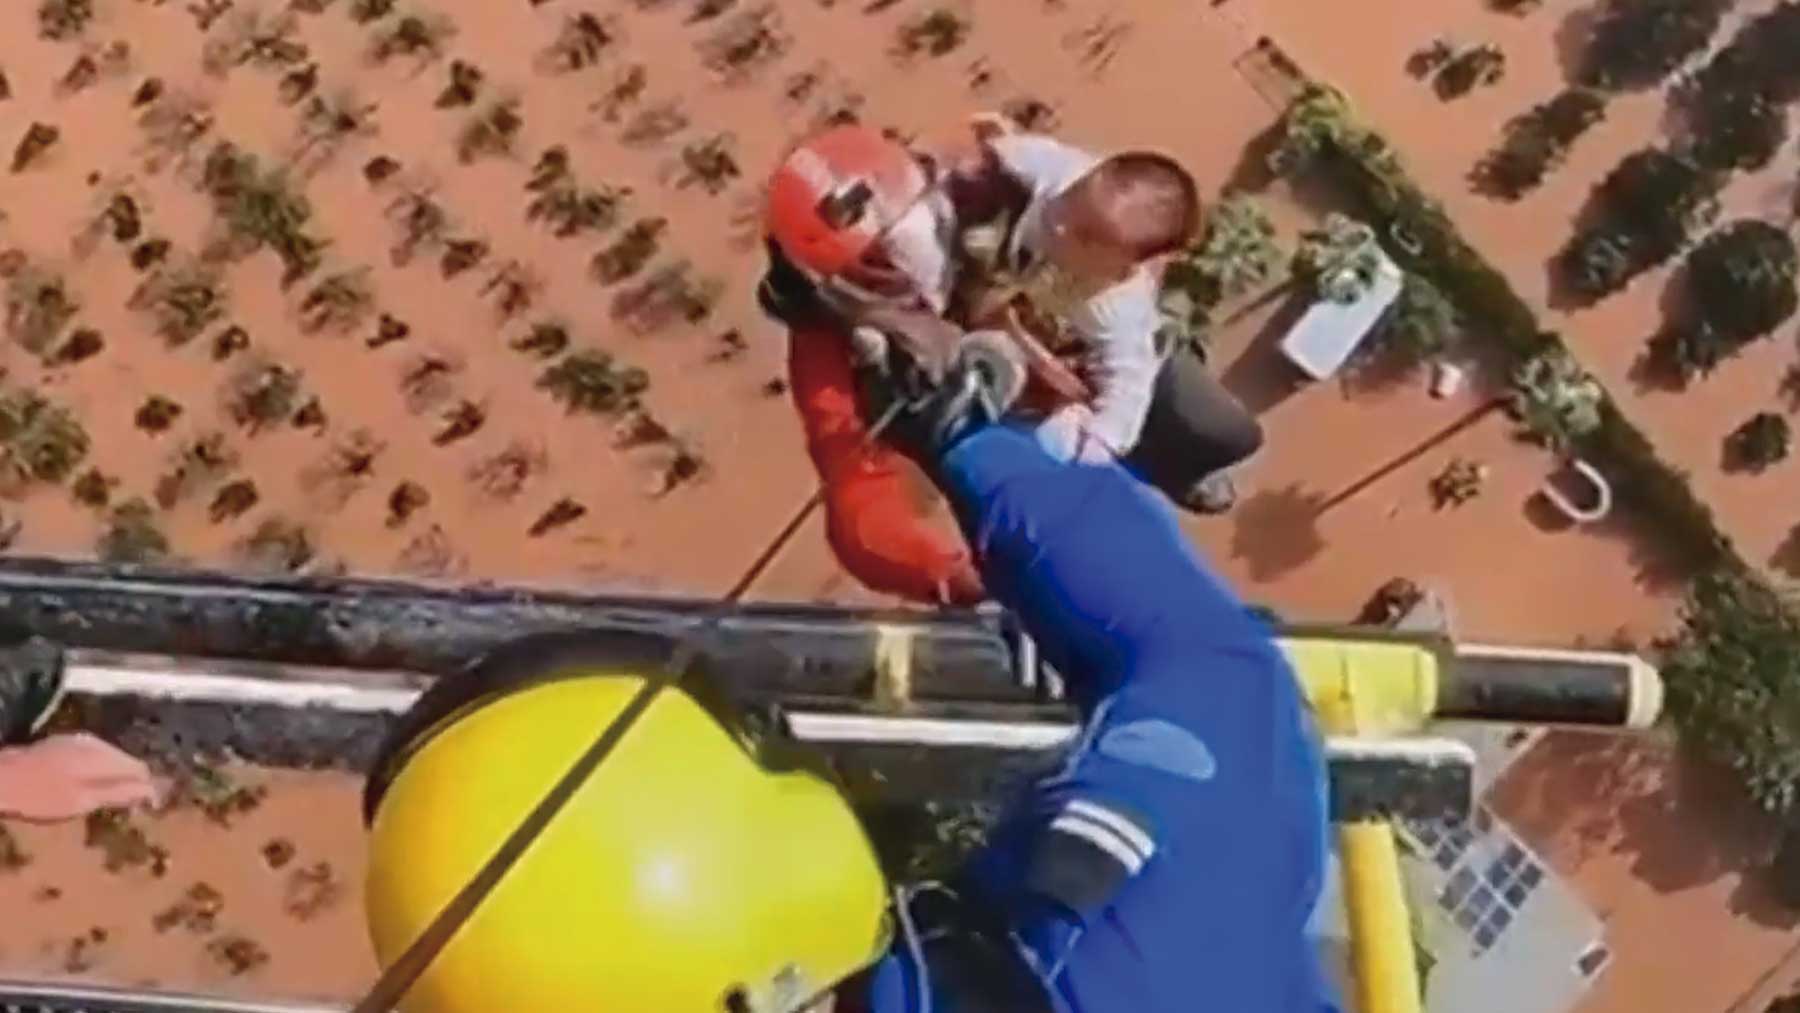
844, 208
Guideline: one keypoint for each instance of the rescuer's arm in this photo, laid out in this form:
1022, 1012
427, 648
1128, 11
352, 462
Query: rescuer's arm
877, 534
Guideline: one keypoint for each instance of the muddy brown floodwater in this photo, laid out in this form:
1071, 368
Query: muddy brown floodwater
507, 194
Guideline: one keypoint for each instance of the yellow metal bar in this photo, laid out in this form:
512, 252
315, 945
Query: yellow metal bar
1383, 961
1366, 687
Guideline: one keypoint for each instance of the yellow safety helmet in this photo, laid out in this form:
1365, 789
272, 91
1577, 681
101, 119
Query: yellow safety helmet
685, 876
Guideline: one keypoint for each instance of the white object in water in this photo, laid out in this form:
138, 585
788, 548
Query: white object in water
1329, 332
1602, 502
1446, 379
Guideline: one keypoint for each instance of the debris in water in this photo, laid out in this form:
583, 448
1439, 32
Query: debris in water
39, 138
123, 843
220, 797
12, 857
563, 512
278, 852
46, 894
79, 957
312, 890
197, 911
238, 954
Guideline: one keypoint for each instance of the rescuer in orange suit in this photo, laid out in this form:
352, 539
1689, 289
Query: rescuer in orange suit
870, 242
871, 523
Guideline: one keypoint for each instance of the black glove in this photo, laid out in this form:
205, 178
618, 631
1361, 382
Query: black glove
787, 295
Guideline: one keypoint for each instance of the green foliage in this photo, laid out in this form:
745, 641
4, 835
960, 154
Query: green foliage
1383, 194
260, 208
590, 381
63, 19
1742, 279
1421, 322
1736, 104
1236, 254
131, 535
1732, 679
43, 441
1759, 443
38, 307
1320, 123
1556, 400
1537, 141
1643, 212
1476, 66
1635, 44
1340, 260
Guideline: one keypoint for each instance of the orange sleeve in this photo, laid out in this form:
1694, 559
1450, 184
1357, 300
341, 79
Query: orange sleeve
874, 531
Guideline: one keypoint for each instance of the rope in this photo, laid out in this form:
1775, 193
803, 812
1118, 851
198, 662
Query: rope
402, 974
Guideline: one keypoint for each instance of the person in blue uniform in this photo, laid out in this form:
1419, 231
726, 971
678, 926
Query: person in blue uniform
1170, 866
1173, 863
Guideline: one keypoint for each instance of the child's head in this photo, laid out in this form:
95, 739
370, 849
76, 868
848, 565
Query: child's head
1131, 208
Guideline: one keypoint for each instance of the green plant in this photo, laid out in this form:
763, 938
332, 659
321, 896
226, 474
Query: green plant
184, 302
1421, 322
1760, 443
1537, 142
262, 394
1741, 282
1236, 253
1556, 400
1477, 66
589, 381
43, 441
1732, 678
38, 307
1645, 209
1736, 104
63, 19
260, 208
131, 535
277, 545
1459, 482
1381, 192
493, 131
1340, 260
1635, 44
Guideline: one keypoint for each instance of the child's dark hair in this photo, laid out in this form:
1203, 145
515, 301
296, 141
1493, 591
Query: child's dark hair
1157, 200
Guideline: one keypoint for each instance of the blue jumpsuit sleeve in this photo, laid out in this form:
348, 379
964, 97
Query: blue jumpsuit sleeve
1180, 850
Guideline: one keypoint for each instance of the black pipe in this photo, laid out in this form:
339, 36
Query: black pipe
1536, 691
396, 625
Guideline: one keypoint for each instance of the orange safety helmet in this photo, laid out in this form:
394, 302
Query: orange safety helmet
835, 196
